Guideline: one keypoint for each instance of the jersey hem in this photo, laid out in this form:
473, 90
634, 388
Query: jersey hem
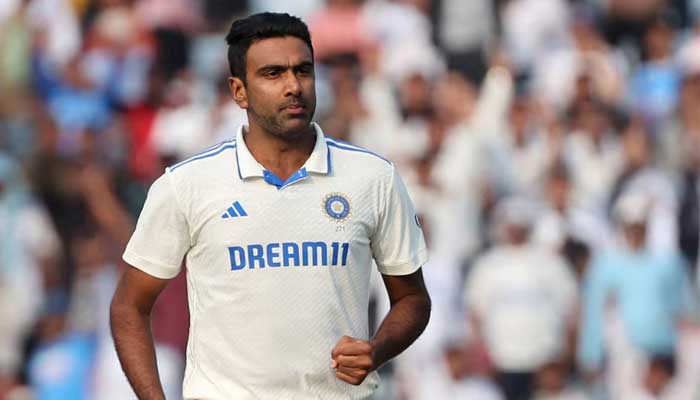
405, 268
152, 268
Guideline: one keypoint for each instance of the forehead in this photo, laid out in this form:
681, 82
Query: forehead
287, 50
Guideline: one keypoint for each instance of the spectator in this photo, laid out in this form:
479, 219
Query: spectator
29, 254
338, 29
59, 368
592, 145
660, 382
654, 86
457, 375
464, 125
639, 174
521, 298
562, 218
651, 293
552, 383
533, 28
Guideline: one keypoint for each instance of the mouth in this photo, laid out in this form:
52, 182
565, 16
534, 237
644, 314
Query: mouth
295, 108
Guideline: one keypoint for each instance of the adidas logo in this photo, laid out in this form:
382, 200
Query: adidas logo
236, 210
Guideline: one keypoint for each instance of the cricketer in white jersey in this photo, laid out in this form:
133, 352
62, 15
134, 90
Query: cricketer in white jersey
278, 229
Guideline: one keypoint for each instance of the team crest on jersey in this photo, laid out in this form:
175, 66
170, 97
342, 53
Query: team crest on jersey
336, 206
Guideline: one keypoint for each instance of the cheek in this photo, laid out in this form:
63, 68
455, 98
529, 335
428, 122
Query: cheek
261, 97
308, 83
310, 91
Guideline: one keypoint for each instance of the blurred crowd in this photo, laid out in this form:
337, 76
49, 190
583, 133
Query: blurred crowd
552, 148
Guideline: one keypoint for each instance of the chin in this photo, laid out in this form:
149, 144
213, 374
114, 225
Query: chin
297, 126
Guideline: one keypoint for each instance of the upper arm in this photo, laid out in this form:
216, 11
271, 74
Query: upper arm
400, 286
398, 246
162, 235
137, 289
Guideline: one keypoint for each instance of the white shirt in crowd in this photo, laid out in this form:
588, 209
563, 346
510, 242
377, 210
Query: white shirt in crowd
278, 271
28, 238
591, 188
462, 165
523, 297
552, 228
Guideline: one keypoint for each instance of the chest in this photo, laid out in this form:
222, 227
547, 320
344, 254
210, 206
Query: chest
258, 213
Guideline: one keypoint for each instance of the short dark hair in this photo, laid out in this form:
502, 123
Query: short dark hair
665, 362
244, 32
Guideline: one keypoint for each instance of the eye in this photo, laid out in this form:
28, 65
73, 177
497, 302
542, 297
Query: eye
305, 70
274, 73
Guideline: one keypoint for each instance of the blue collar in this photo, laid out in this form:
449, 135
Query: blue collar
248, 167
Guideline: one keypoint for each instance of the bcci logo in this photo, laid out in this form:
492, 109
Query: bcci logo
336, 207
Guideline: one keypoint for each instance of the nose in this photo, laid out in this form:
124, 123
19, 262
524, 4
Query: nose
293, 85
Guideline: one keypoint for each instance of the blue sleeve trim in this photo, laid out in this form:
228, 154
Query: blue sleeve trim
205, 154
350, 147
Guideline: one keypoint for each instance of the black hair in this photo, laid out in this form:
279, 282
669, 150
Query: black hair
244, 32
559, 171
575, 251
665, 362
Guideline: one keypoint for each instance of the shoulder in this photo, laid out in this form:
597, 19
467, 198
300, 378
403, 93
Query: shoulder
672, 261
205, 162
357, 158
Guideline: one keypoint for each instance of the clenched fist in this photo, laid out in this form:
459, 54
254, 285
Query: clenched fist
352, 359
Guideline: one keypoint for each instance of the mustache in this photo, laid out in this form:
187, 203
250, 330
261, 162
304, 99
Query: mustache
297, 102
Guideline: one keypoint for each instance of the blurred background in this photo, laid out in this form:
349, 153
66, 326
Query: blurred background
552, 148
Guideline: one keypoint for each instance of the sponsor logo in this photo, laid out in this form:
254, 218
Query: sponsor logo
289, 254
234, 211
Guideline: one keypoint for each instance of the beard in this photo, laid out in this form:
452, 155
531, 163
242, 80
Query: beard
281, 125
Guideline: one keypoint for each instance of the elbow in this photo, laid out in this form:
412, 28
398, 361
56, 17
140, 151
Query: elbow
121, 312
117, 310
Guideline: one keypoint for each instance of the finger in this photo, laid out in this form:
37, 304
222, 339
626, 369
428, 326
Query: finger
341, 342
354, 348
363, 361
334, 364
354, 372
348, 378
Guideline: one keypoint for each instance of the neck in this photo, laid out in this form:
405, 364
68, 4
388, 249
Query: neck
281, 156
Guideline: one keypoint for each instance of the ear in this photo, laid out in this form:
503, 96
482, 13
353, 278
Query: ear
238, 91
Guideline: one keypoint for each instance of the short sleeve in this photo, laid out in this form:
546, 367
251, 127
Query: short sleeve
162, 237
398, 246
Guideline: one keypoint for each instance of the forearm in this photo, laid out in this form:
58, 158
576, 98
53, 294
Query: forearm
133, 340
403, 324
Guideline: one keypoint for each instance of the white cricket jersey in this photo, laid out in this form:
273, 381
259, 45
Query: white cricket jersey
277, 271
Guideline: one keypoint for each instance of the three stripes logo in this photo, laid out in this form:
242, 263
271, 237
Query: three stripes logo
236, 210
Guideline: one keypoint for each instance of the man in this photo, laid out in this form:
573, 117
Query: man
520, 298
279, 228
635, 299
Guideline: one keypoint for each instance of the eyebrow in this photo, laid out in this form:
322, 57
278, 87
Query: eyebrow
280, 67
